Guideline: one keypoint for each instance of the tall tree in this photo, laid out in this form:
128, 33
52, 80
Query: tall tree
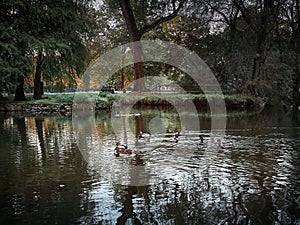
296, 39
136, 29
257, 15
224, 14
41, 37
291, 14
60, 49
223, 41
14, 61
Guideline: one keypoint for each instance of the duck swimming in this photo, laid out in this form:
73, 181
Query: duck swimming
201, 140
145, 136
122, 149
224, 144
180, 135
182, 132
142, 138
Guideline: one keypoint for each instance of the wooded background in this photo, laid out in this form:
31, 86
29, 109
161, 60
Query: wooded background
253, 46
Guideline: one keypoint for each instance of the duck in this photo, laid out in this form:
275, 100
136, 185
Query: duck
143, 135
182, 132
142, 138
178, 137
201, 140
224, 144
122, 149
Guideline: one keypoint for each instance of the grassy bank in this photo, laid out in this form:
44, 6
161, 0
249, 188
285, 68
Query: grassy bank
105, 100
234, 102
147, 98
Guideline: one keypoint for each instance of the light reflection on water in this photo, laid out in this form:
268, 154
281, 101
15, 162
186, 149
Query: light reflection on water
45, 180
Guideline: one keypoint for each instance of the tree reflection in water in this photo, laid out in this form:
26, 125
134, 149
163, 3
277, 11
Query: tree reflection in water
40, 177
40, 132
127, 210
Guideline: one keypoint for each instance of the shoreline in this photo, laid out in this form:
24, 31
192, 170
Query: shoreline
65, 109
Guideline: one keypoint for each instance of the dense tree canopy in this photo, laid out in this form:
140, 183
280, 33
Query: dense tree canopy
43, 38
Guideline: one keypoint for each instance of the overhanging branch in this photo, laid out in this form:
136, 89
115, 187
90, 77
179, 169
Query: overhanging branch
161, 20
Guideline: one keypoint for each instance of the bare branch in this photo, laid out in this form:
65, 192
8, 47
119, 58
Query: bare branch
226, 20
161, 20
242, 8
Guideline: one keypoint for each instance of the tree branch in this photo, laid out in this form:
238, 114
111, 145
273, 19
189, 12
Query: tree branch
161, 20
241, 7
226, 20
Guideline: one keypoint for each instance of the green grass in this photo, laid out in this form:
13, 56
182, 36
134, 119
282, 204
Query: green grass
234, 98
107, 98
68, 98
55, 98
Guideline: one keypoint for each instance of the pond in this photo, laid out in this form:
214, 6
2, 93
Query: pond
48, 178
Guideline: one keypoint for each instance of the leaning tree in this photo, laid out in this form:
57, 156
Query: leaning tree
141, 17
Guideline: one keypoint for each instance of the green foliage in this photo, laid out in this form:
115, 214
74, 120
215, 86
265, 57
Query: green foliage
14, 61
85, 97
56, 98
59, 30
52, 28
105, 97
218, 32
69, 98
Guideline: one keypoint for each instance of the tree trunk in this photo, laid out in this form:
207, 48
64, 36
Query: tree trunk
256, 66
261, 36
258, 62
19, 94
259, 59
135, 37
259, 28
296, 77
37, 94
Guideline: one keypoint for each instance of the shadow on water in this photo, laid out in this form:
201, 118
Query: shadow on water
45, 179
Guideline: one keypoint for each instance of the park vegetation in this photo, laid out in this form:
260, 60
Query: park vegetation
252, 47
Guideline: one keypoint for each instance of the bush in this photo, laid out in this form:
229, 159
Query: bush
62, 98
105, 97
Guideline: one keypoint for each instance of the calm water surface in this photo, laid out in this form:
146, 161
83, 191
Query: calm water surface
45, 178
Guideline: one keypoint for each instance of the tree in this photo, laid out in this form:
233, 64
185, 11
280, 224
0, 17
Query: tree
60, 48
290, 13
14, 61
42, 37
135, 32
257, 15
223, 15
